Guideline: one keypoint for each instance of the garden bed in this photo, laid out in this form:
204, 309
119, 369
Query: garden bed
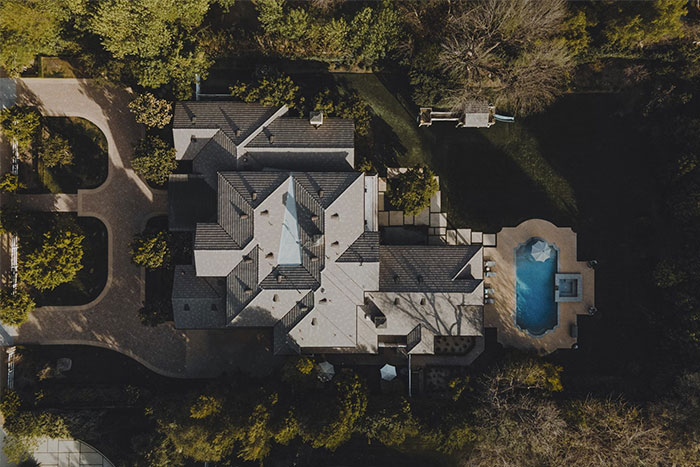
90, 160
91, 279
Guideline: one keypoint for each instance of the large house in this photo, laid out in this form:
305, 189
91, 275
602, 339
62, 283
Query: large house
286, 236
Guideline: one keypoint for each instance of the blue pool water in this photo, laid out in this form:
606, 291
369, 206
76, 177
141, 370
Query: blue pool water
536, 310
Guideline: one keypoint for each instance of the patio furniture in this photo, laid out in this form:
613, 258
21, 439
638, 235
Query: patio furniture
388, 372
326, 371
490, 274
489, 290
490, 263
541, 251
573, 331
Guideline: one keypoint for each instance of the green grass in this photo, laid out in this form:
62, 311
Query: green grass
89, 146
396, 130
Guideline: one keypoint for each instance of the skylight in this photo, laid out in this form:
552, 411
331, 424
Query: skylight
290, 242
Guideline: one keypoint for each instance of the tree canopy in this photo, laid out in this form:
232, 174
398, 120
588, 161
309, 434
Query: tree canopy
411, 191
55, 262
21, 124
55, 150
154, 159
15, 306
151, 111
150, 250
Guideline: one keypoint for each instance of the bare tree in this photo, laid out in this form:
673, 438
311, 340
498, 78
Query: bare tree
507, 51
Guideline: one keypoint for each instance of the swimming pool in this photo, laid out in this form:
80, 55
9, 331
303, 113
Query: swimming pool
535, 267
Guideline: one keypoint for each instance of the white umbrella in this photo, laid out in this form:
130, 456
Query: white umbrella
326, 371
541, 251
388, 372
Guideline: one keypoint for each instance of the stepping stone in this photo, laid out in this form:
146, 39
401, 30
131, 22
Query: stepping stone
451, 237
438, 219
464, 236
381, 184
435, 202
380, 201
422, 218
408, 220
477, 237
489, 239
383, 218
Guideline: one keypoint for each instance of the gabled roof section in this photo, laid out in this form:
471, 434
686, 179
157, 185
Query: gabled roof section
290, 277
325, 187
425, 268
198, 302
290, 132
237, 120
213, 237
217, 155
242, 285
249, 185
363, 250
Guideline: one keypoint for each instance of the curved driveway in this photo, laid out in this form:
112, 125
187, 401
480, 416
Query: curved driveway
124, 203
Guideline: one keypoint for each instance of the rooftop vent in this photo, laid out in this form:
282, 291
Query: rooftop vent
314, 218
275, 297
193, 138
320, 193
247, 259
422, 301
238, 132
323, 300
254, 195
314, 259
248, 291
316, 118
270, 255
264, 213
313, 321
280, 277
335, 244
397, 300
335, 215
271, 138
244, 215
303, 308
193, 119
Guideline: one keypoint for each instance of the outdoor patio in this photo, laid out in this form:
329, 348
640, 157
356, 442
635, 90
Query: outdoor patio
501, 313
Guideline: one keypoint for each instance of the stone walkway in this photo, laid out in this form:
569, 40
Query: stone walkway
124, 202
62, 202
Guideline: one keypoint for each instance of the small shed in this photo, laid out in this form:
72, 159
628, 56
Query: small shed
477, 114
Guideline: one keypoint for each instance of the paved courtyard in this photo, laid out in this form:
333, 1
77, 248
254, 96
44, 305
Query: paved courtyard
124, 202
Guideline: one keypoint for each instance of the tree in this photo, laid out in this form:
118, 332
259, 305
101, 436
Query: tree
29, 28
151, 250
155, 312
151, 111
56, 262
628, 26
15, 306
510, 53
21, 124
411, 191
374, 32
153, 159
55, 150
10, 183
389, 421
273, 89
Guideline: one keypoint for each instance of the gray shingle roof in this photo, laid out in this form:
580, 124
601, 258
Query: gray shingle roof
229, 116
363, 250
216, 156
242, 285
198, 302
290, 132
423, 268
212, 236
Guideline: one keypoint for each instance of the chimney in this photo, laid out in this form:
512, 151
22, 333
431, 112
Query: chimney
316, 118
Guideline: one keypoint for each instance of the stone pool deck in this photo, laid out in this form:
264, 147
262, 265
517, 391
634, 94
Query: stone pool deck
501, 314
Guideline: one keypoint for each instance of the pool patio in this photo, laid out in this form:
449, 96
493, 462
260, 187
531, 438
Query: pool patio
501, 313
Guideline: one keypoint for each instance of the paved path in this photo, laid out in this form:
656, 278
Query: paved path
45, 202
124, 203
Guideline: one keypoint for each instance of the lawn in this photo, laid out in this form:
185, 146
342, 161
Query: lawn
583, 163
89, 281
89, 147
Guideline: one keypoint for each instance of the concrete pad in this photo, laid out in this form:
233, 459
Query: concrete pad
383, 218
451, 237
380, 201
489, 239
477, 237
441, 231
46, 458
395, 217
52, 445
90, 458
422, 218
68, 446
464, 236
435, 202
438, 219
381, 184
408, 220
